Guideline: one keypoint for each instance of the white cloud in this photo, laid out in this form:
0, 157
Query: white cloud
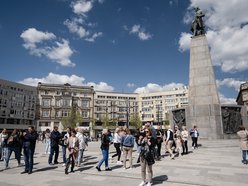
79, 25
225, 100
32, 35
76, 26
230, 83
81, 7
152, 87
53, 78
141, 32
35, 42
94, 36
131, 85
227, 34
102, 86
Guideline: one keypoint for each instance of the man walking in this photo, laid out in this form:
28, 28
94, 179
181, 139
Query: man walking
55, 137
29, 141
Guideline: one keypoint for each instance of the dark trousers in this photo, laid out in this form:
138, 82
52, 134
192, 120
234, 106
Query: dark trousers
159, 149
185, 147
70, 160
28, 158
194, 142
55, 150
118, 151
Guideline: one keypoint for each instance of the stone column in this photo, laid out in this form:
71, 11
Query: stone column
204, 109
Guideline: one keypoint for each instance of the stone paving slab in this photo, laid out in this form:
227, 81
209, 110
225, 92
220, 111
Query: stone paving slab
215, 163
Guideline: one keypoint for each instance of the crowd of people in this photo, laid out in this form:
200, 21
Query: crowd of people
147, 140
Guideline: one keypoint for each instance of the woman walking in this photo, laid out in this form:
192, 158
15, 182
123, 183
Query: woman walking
243, 134
117, 145
105, 142
13, 144
4, 137
147, 157
73, 147
127, 143
185, 136
47, 141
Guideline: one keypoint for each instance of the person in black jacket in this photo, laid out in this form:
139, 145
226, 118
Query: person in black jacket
55, 138
13, 144
147, 156
29, 141
105, 150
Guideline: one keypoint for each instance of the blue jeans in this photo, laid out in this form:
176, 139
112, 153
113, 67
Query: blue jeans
64, 153
28, 158
80, 156
244, 152
17, 155
105, 156
53, 150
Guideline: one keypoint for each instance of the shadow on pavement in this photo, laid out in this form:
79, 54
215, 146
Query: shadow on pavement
87, 159
159, 179
116, 167
90, 163
45, 169
83, 168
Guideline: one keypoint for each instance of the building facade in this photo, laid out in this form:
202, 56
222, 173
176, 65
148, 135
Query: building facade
242, 98
55, 102
113, 109
17, 105
155, 107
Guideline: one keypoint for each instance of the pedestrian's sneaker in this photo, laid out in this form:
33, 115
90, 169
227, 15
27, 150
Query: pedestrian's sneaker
119, 163
142, 183
193, 147
63, 165
149, 184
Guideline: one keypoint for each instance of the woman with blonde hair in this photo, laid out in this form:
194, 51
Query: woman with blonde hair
105, 142
185, 135
117, 145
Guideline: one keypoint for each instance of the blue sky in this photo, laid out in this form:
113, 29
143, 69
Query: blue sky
120, 45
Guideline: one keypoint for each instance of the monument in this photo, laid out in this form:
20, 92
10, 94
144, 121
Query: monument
204, 108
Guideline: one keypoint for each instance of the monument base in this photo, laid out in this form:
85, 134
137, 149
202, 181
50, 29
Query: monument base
207, 118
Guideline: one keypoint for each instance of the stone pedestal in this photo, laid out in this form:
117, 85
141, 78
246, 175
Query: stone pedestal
204, 109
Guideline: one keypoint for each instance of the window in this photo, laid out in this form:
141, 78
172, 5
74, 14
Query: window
65, 113
67, 102
45, 113
46, 102
85, 114
58, 114
85, 103
58, 103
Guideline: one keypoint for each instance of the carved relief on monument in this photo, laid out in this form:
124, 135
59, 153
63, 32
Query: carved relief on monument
231, 119
179, 118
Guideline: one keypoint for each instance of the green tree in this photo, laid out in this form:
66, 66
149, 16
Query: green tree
73, 119
135, 120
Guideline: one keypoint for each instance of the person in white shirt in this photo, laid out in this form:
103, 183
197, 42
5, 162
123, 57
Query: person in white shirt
82, 146
117, 145
185, 135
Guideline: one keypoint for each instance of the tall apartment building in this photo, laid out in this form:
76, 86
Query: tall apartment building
56, 101
114, 108
17, 105
151, 107
155, 107
242, 98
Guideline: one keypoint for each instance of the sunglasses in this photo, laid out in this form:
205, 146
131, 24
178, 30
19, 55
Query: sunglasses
146, 131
